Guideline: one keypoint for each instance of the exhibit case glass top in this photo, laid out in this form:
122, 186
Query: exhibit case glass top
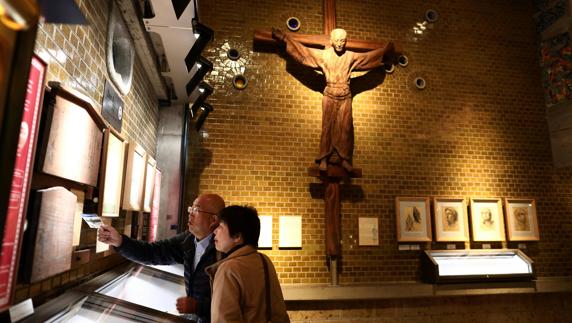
475, 265
147, 287
78, 306
129, 293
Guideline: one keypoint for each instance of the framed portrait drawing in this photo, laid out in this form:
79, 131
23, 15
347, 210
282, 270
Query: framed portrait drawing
413, 219
111, 175
487, 220
521, 219
451, 219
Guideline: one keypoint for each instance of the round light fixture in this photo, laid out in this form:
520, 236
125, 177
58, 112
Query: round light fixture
233, 54
293, 23
431, 15
402, 60
420, 83
239, 82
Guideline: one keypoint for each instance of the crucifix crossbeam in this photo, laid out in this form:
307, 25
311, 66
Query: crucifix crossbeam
264, 36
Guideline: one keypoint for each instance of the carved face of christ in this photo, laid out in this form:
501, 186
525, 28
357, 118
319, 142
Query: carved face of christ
338, 39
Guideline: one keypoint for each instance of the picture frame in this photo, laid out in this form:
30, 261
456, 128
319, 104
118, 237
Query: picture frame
487, 220
368, 231
451, 219
134, 177
521, 219
112, 173
13, 217
155, 206
150, 167
413, 218
71, 136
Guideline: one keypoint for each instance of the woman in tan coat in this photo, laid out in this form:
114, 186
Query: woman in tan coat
245, 287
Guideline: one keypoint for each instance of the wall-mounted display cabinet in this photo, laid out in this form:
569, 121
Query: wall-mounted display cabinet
444, 266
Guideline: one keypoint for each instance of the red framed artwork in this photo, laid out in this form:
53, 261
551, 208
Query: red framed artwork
21, 179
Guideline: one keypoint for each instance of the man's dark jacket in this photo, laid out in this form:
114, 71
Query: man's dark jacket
178, 249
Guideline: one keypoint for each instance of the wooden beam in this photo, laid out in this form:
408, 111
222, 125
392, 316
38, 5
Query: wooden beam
329, 16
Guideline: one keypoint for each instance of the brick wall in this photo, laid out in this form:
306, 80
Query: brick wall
77, 54
477, 130
76, 57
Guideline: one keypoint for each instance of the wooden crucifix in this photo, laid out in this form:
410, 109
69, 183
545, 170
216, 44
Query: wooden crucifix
337, 61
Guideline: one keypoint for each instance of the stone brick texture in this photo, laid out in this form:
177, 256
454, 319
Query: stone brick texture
477, 130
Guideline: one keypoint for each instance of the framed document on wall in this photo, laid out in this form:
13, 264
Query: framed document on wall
49, 237
451, 219
111, 175
413, 218
20, 181
290, 232
155, 206
265, 238
72, 132
487, 219
134, 178
149, 183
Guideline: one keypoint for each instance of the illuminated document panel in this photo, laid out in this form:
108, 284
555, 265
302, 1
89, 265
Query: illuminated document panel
79, 306
475, 265
147, 287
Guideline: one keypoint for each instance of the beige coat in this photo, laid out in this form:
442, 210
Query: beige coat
238, 293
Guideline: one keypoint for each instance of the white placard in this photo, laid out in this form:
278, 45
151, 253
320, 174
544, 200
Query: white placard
92, 220
290, 232
21, 310
368, 231
265, 239
77, 217
100, 246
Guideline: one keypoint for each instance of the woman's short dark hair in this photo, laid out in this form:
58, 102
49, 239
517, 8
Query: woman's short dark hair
242, 220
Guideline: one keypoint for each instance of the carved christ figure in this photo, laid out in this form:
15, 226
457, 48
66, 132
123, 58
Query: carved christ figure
337, 64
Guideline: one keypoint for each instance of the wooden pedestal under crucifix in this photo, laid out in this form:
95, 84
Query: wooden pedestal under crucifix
337, 61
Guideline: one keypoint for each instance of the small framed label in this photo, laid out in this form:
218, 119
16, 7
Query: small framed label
451, 246
486, 246
402, 247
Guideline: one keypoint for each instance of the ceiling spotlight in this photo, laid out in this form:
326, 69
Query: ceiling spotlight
203, 67
203, 35
205, 110
199, 97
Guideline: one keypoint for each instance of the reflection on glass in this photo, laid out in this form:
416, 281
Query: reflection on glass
485, 264
176, 269
148, 288
96, 308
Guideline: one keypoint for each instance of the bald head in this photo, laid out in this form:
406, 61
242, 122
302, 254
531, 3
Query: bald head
338, 39
203, 214
211, 203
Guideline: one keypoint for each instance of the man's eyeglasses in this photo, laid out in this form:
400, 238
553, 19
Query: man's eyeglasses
196, 209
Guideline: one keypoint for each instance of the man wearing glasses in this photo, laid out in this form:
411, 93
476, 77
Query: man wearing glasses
194, 249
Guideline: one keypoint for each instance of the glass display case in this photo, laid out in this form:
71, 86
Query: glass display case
79, 306
128, 293
440, 266
148, 287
